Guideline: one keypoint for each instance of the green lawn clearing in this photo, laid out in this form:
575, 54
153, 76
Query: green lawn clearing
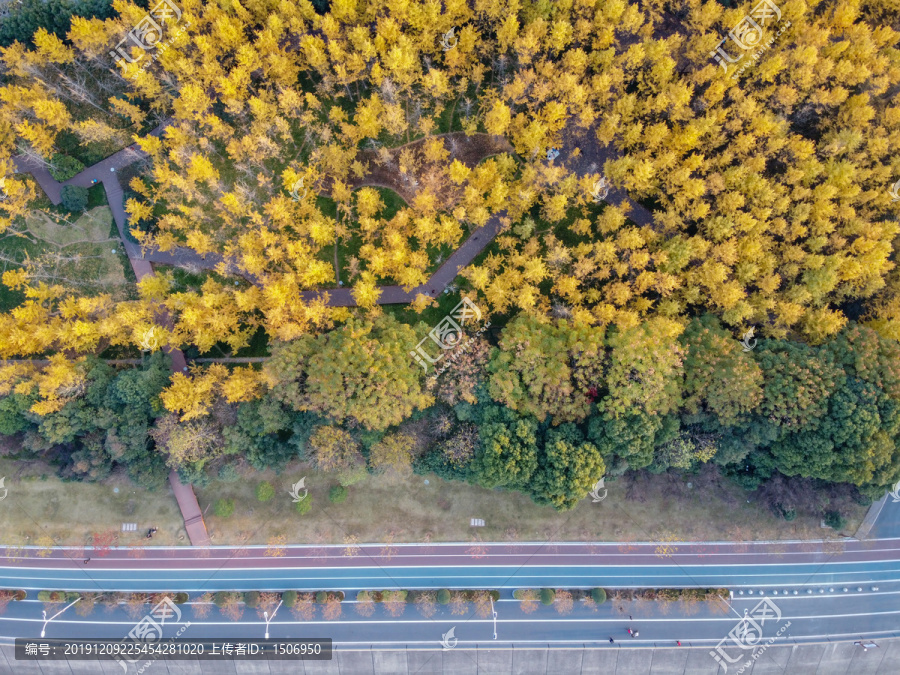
410, 510
93, 226
40, 508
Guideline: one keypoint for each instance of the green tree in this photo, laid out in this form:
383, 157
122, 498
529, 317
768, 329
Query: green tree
864, 354
286, 368
90, 462
854, 442
12, 413
798, 381
337, 494
258, 434
64, 167
569, 467
134, 397
835, 520
507, 451
625, 442
544, 369
74, 198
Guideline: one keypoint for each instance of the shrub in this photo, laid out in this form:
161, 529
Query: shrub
63, 167
337, 494
220, 599
835, 520
495, 595
788, 514
548, 595
224, 507
265, 491
74, 198
251, 599
395, 595
321, 597
519, 593
443, 596
598, 595
364, 596
304, 505
862, 499
180, 598
50, 596
289, 598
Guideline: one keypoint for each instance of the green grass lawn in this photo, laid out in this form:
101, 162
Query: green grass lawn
440, 511
52, 230
409, 509
78, 250
94, 226
39, 504
431, 316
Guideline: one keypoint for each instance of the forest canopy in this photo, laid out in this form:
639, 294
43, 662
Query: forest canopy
648, 204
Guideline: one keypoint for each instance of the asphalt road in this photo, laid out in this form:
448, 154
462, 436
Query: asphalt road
887, 525
458, 566
806, 580
812, 617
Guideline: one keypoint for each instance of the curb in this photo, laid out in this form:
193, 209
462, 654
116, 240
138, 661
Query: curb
869, 521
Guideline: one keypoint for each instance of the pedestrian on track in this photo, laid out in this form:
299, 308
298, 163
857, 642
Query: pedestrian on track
635, 633
87, 560
611, 640
629, 632
678, 642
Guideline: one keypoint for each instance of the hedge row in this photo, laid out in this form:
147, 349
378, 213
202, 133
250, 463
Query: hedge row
599, 595
13, 594
71, 596
548, 595
443, 595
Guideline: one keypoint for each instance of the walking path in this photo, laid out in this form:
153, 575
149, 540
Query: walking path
590, 160
105, 172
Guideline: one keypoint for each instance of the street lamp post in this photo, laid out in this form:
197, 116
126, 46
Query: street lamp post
46, 620
728, 604
268, 618
494, 614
